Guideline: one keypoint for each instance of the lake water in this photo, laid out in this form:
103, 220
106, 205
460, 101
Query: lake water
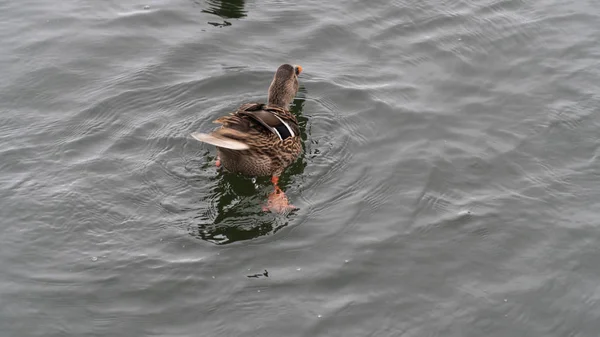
448, 187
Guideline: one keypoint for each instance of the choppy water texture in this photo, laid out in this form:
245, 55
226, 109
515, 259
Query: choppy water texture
449, 184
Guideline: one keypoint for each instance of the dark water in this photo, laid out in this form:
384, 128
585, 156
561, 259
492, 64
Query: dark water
449, 184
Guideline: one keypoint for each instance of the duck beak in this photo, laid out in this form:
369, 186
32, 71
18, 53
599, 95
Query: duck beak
298, 69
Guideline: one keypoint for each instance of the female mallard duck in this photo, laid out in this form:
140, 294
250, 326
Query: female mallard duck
261, 139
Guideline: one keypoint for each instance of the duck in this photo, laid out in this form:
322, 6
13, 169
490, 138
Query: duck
261, 139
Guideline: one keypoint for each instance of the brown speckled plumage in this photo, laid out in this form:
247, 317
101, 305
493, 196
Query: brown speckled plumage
267, 153
247, 144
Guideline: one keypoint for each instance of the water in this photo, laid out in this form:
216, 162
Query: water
448, 185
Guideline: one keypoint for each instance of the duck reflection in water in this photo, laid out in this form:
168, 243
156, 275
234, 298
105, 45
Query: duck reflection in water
226, 9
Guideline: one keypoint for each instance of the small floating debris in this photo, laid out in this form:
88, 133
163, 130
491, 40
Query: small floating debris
319, 316
147, 7
298, 269
346, 261
94, 258
265, 274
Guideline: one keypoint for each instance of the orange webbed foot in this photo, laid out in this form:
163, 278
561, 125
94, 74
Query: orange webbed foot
278, 201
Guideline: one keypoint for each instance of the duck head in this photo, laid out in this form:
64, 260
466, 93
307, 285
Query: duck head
284, 86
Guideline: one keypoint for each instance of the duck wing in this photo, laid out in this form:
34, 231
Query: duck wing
251, 120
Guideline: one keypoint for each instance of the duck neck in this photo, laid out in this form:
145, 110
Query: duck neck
279, 104
279, 95
278, 100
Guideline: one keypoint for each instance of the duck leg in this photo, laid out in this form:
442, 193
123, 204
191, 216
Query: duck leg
218, 162
278, 201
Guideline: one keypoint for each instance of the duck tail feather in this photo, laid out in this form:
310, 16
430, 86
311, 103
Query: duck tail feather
220, 141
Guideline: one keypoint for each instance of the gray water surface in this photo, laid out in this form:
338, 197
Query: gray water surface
448, 187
